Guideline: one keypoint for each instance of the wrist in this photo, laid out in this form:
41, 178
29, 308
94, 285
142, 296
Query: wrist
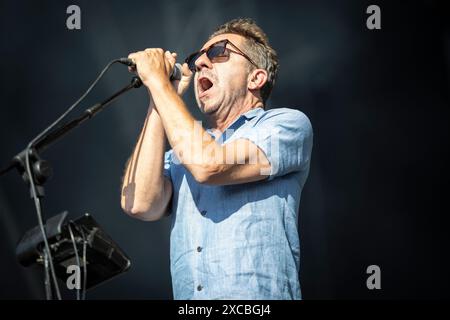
156, 84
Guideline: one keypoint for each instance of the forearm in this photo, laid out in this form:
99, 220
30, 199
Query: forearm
194, 147
145, 191
207, 160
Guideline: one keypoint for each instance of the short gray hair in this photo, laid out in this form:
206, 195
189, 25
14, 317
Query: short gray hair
257, 47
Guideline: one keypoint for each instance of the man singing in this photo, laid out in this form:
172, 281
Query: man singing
232, 190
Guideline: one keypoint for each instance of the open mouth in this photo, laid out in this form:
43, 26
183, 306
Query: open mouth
204, 84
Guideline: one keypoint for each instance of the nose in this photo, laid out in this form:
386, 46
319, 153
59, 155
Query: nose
203, 62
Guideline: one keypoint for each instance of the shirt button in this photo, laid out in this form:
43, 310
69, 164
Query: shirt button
199, 249
199, 288
203, 212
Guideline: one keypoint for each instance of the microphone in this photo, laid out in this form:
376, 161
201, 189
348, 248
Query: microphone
176, 72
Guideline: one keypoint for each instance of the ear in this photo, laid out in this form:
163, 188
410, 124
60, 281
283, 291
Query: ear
257, 78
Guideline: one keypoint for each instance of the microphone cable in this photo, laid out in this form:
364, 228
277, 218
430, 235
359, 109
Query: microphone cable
77, 257
36, 199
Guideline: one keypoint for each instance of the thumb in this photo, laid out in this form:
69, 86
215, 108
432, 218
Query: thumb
185, 70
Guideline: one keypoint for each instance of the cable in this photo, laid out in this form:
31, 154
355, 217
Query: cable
57, 121
76, 254
31, 177
83, 294
37, 204
48, 285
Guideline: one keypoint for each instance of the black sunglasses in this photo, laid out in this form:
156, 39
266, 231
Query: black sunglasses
217, 52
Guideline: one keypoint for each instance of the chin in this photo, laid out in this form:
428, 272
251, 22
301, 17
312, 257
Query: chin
207, 108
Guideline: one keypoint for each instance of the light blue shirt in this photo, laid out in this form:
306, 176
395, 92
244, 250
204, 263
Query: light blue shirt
242, 241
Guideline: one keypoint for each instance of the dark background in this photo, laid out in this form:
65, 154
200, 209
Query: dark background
378, 101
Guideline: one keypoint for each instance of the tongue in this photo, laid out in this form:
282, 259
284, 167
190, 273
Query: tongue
206, 84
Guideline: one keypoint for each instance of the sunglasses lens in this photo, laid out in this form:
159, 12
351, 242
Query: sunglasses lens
216, 51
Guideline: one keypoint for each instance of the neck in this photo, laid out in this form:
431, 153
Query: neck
222, 120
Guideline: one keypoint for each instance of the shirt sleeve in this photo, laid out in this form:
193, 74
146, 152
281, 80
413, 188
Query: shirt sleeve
286, 138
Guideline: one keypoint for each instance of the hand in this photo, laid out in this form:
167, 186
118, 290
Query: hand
182, 85
153, 66
179, 85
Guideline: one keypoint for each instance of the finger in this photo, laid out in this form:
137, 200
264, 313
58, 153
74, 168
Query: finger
185, 69
132, 69
170, 58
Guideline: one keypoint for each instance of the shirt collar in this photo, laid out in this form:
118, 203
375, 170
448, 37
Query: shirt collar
240, 120
252, 113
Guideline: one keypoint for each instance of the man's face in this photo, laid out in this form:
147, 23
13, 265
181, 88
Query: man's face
221, 84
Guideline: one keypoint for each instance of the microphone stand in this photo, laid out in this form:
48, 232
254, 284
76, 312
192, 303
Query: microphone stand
41, 169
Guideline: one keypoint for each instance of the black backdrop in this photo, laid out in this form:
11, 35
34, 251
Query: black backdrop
378, 101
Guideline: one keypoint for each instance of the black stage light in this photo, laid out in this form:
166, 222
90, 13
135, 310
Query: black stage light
103, 257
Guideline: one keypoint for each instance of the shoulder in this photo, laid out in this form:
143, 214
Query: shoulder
285, 117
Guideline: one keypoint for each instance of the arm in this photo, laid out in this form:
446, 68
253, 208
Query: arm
145, 191
208, 161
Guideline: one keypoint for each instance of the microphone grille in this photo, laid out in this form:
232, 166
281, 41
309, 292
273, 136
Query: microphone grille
176, 73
